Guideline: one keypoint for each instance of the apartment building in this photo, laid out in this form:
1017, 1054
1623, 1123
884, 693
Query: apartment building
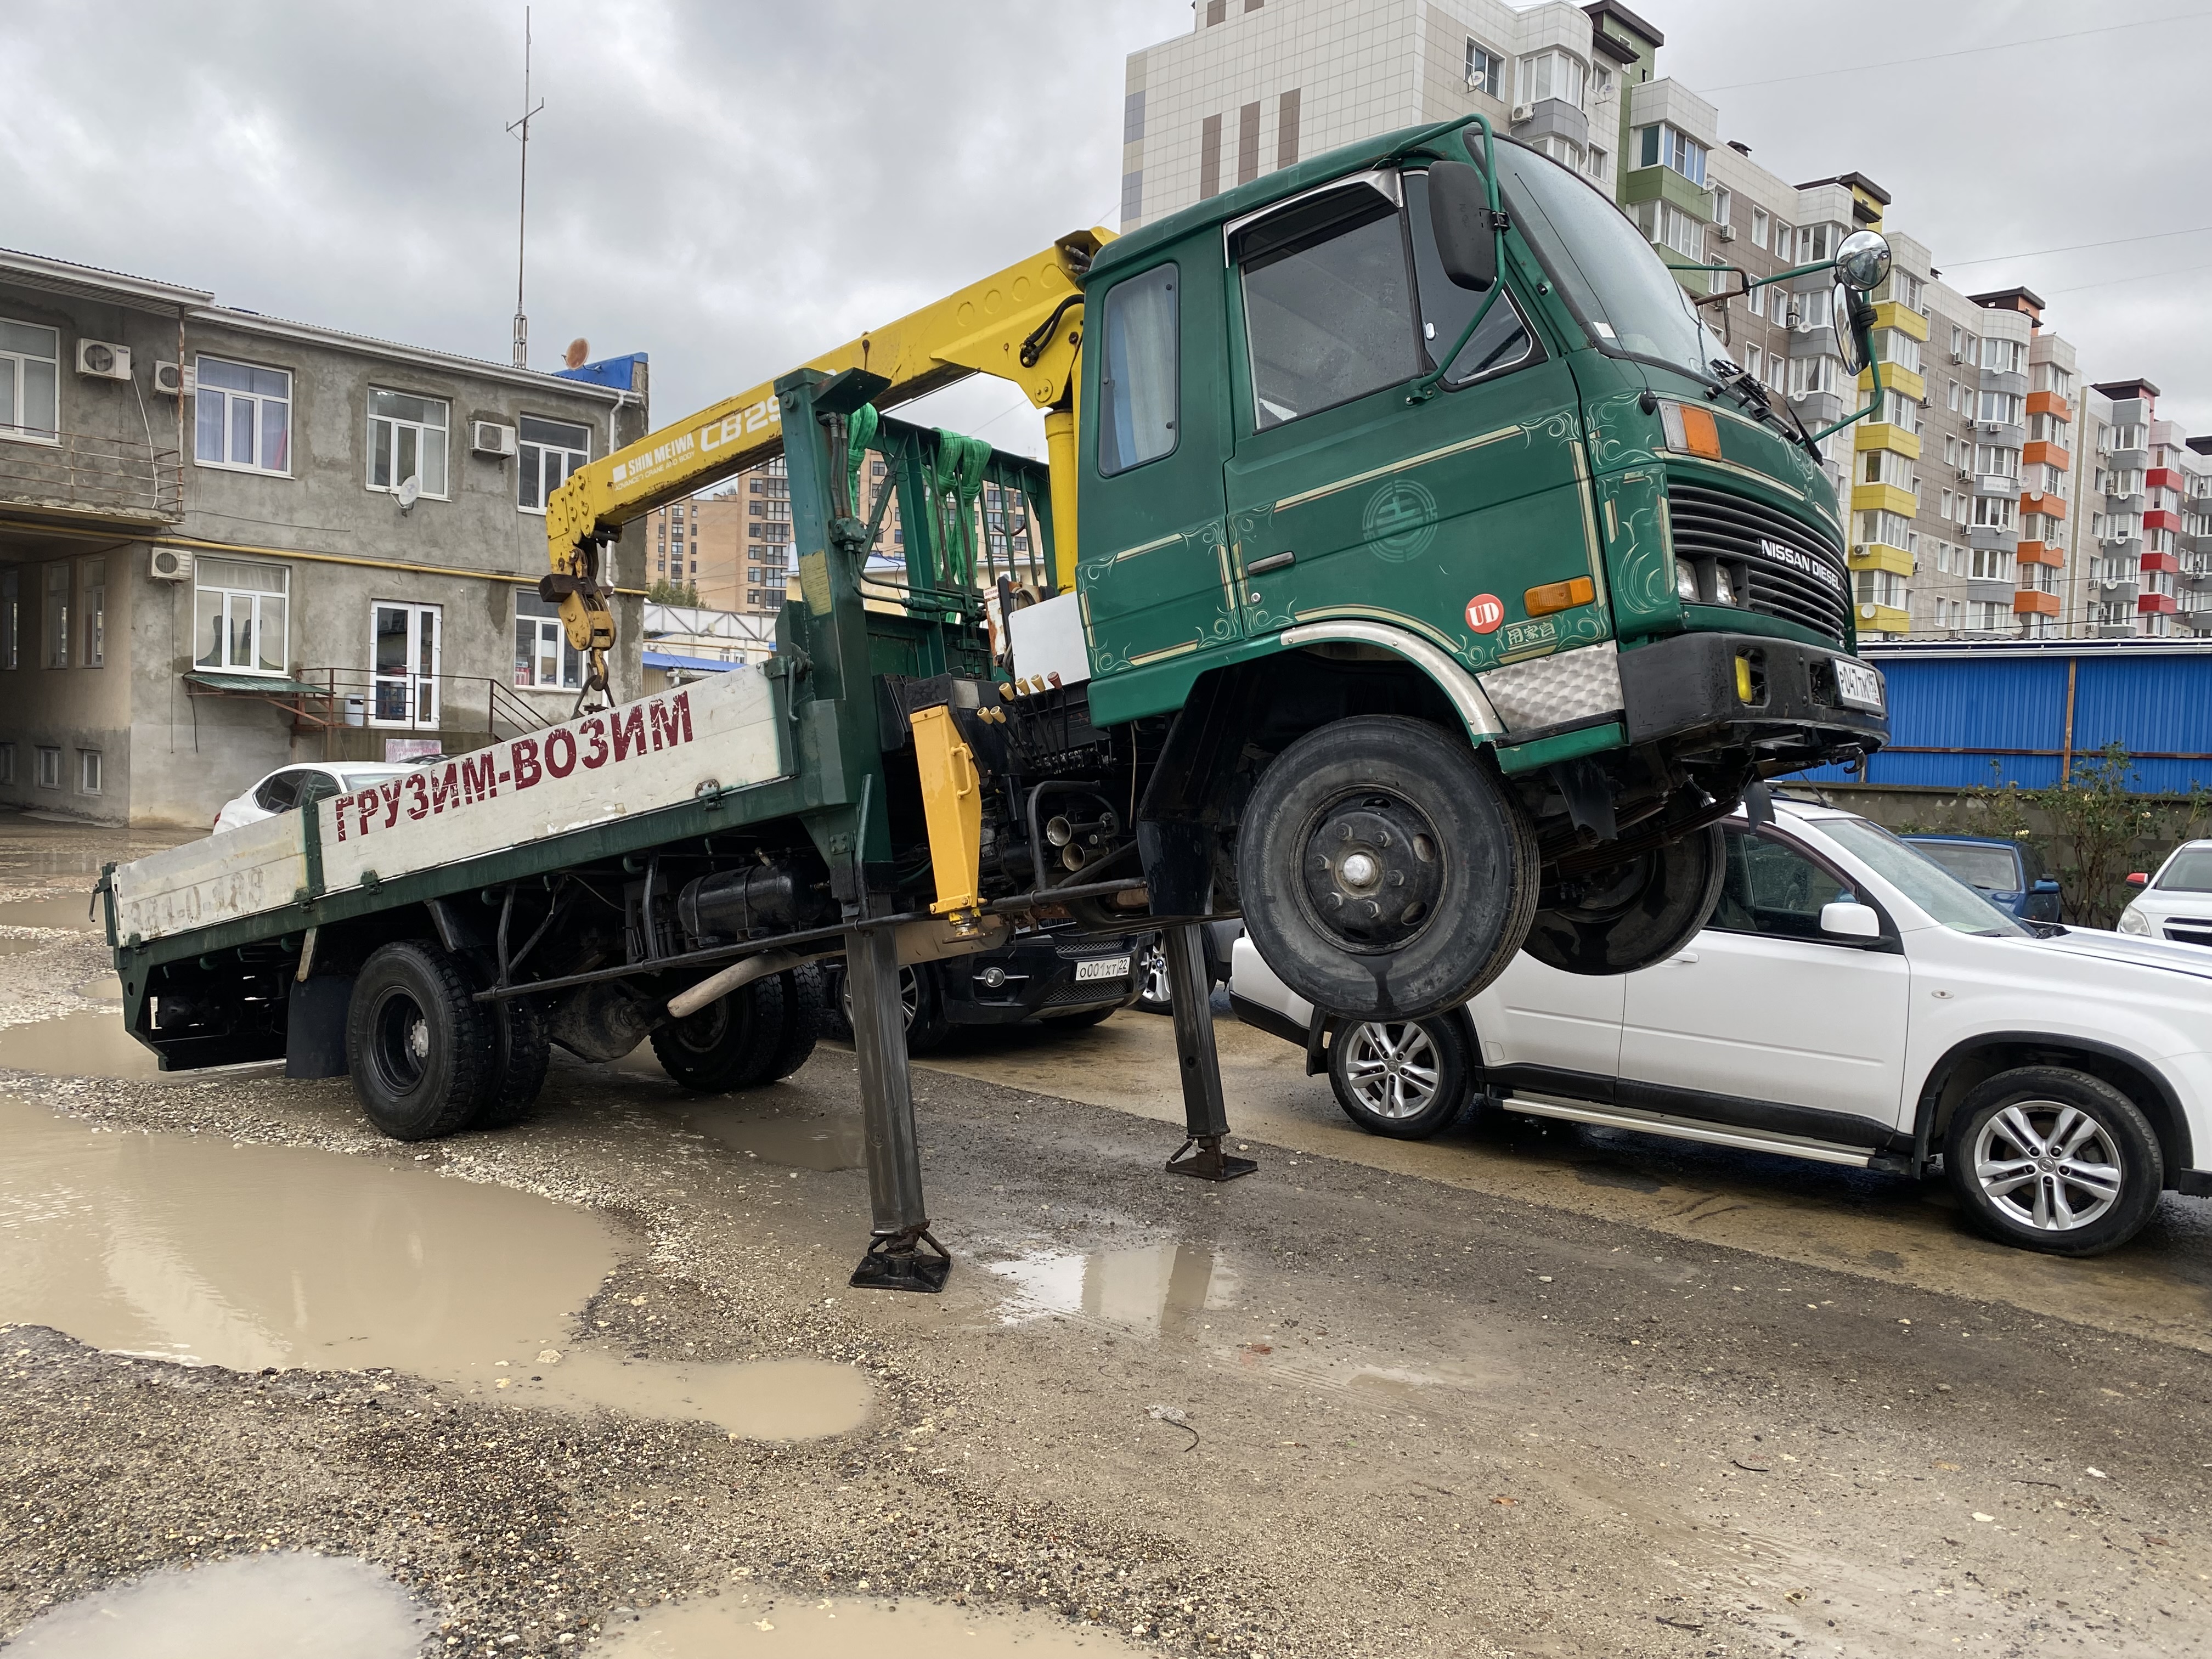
2142, 555
229, 541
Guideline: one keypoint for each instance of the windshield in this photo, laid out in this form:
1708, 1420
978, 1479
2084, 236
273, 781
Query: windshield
1921, 879
1602, 264
1990, 868
2190, 872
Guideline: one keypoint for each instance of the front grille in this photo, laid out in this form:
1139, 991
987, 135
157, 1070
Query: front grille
1794, 573
1090, 993
2190, 930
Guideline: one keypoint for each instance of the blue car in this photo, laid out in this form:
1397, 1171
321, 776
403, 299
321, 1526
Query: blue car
2010, 874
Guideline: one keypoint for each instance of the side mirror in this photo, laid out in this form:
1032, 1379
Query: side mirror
1846, 919
1459, 212
1862, 260
2047, 885
1854, 320
2138, 879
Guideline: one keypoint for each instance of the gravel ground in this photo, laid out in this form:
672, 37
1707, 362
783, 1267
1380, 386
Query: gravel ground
1364, 1413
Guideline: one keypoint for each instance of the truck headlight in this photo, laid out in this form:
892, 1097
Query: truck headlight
2133, 921
1723, 589
1685, 581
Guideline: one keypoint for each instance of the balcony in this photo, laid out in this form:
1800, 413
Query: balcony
2049, 402
2029, 602
2040, 553
2162, 562
77, 479
2153, 605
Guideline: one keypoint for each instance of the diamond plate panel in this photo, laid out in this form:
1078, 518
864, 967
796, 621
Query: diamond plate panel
1572, 685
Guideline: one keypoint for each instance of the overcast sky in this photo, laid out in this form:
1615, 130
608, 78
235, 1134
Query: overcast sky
733, 187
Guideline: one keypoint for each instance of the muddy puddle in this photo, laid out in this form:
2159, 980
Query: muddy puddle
742, 1623
1145, 1290
193, 1248
75, 913
797, 1140
89, 1043
104, 987
282, 1606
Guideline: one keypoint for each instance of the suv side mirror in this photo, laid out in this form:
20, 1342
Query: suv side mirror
1459, 210
2138, 878
2043, 884
1845, 919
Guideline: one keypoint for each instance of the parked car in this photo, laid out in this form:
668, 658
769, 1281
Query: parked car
2010, 874
1851, 1002
290, 787
2176, 902
1041, 975
1153, 996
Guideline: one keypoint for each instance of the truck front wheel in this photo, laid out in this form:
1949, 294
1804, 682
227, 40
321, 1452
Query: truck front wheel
1630, 914
1384, 870
419, 1048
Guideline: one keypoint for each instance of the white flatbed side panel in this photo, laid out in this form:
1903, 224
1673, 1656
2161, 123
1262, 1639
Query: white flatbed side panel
719, 733
237, 873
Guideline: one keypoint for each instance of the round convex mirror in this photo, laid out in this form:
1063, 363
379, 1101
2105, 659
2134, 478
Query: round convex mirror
1862, 260
1848, 343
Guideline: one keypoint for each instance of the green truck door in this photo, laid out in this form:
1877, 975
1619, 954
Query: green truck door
1154, 569
1345, 500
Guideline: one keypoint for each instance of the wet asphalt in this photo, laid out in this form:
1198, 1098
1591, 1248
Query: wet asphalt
1511, 1392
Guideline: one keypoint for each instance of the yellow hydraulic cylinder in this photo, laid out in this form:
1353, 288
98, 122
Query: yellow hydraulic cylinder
952, 803
1060, 455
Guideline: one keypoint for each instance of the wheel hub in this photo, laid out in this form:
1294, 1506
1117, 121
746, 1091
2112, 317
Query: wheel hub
1372, 871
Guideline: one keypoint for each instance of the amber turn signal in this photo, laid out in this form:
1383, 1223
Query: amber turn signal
1558, 596
1701, 434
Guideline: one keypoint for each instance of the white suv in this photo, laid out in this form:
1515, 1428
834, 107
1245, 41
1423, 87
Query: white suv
2176, 903
1850, 1002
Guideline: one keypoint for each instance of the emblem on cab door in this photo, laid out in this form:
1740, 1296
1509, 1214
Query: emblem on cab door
1401, 521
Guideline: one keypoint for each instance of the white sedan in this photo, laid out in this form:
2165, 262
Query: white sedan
1851, 1002
2176, 902
290, 787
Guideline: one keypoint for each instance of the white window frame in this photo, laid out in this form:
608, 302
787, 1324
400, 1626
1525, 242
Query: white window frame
56, 600
1492, 81
48, 774
525, 459
545, 629
13, 427
422, 429
230, 398
255, 602
1576, 74
91, 770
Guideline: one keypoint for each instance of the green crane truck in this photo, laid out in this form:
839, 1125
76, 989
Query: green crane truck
1439, 586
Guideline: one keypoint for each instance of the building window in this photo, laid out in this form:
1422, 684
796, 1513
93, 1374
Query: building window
1485, 70
406, 440
88, 772
1815, 242
1758, 227
1670, 147
11, 620
543, 655
240, 615
1723, 200
1599, 163
1810, 376
57, 618
49, 768
548, 451
1994, 512
1667, 225
241, 417
92, 583
2001, 407
30, 377
1553, 74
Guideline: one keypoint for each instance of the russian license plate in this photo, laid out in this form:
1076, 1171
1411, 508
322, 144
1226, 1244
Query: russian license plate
1103, 968
1858, 684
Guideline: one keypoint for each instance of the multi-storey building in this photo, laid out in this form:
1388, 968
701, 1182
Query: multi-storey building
2125, 589
2194, 458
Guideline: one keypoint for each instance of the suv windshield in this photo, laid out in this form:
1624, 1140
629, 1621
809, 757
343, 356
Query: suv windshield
1601, 263
1990, 868
1921, 879
2190, 872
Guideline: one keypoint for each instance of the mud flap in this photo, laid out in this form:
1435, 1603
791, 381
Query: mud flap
315, 1026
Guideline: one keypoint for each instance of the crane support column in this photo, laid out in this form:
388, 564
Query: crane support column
1206, 1117
902, 1255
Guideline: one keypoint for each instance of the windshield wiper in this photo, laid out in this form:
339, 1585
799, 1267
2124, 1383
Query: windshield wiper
1753, 397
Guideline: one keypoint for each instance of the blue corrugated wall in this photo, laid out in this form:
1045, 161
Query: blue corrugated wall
1954, 716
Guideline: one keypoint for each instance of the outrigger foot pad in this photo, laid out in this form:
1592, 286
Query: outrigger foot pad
895, 1262
1202, 1157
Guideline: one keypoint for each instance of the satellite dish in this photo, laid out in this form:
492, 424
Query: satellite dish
578, 350
411, 491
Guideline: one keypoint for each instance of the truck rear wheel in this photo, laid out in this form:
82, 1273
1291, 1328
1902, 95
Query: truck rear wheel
419, 1047
1630, 914
728, 1044
806, 1012
522, 1050
1385, 872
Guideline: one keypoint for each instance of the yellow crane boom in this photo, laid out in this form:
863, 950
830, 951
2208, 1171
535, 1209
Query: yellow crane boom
1021, 324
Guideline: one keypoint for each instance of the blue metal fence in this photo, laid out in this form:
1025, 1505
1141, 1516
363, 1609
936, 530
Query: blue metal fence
1967, 714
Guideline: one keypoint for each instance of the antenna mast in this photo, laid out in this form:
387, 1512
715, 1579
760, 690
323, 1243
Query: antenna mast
522, 129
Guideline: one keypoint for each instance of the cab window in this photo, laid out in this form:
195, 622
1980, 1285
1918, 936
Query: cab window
1328, 303
1503, 340
1773, 888
1137, 375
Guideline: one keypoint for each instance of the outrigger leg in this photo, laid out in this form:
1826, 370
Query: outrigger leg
902, 1255
1205, 1118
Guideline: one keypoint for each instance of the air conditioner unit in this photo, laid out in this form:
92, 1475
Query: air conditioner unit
170, 564
1957, 357
1521, 112
1726, 233
490, 438
171, 380
98, 360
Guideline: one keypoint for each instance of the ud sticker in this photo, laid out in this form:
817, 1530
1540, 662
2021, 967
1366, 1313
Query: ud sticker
1522, 634
1484, 612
